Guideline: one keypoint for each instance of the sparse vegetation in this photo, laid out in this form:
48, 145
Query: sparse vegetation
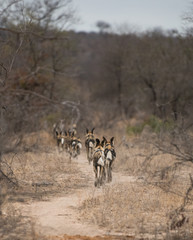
136, 88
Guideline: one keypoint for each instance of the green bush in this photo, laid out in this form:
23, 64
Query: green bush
135, 130
155, 123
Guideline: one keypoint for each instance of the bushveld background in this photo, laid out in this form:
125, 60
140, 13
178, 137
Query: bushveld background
136, 87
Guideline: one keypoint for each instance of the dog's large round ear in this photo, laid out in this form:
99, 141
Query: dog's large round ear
97, 142
103, 143
112, 141
86, 130
105, 140
93, 130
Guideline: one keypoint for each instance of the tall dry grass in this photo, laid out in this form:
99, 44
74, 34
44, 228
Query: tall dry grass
40, 171
145, 208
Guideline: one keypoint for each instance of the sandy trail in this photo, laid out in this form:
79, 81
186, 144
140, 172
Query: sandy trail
60, 215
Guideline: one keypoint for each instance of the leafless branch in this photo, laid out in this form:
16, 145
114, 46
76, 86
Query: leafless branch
15, 54
8, 6
3, 79
9, 179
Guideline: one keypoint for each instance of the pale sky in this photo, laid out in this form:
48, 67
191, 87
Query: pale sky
142, 14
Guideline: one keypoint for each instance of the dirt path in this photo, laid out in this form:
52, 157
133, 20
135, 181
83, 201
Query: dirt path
60, 215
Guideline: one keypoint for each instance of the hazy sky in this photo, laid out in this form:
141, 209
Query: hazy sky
142, 14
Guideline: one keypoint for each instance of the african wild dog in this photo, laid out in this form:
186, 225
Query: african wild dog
75, 146
90, 144
67, 141
98, 163
74, 129
58, 133
110, 155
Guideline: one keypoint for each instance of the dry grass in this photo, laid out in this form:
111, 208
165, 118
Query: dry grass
40, 172
144, 208
131, 208
43, 170
78, 237
14, 226
134, 209
140, 158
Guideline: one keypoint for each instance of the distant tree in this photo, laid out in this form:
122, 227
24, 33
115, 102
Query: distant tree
103, 26
187, 19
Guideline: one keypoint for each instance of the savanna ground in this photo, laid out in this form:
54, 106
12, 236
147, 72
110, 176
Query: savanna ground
108, 79
51, 197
